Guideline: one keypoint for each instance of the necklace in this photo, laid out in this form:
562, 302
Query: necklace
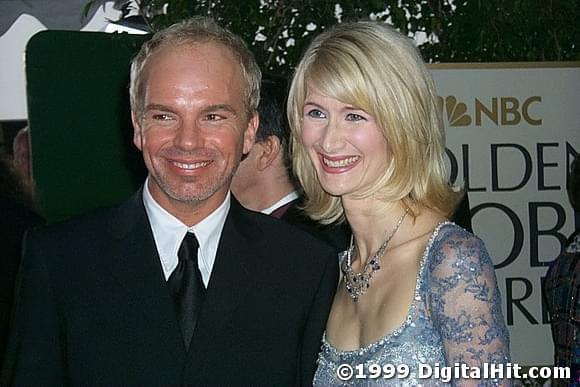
358, 283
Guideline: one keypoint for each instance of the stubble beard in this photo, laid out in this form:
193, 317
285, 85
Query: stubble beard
195, 192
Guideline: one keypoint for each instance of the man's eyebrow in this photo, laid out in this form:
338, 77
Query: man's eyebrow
220, 107
155, 106
207, 109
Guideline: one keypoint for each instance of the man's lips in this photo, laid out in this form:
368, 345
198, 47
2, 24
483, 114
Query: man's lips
190, 166
189, 161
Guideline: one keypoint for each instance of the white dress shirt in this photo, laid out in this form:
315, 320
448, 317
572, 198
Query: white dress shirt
286, 199
168, 232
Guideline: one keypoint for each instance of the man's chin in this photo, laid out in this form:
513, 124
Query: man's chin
194, 195
189, 192
189, 197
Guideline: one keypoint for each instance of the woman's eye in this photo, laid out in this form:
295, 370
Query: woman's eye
354, 117
315, 113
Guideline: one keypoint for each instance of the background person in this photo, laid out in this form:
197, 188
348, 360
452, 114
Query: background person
369, 149
17, 214
562, 293
180, 285
264, 180
21, 155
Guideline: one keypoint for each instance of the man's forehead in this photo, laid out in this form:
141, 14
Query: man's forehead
208, 67
202, 50
209, 60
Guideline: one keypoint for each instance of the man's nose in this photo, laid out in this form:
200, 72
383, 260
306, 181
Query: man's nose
188, 135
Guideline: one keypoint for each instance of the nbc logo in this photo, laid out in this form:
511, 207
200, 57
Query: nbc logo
501, 111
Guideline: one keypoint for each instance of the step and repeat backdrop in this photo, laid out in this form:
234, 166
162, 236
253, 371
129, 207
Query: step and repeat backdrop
512, 132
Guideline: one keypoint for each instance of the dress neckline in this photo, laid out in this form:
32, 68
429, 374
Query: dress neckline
411, 313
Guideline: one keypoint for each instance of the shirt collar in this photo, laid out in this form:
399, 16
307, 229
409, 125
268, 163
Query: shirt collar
168, 232
285, 200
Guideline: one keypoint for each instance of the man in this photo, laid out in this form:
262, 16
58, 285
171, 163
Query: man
18, 215
180, 285
264, 181
21, 159
562, 292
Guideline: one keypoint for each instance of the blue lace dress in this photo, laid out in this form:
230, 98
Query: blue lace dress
456, 271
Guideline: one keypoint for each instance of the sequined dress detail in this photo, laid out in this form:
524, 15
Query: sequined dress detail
455, 270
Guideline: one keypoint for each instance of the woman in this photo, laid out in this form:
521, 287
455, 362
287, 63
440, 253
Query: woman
368, 149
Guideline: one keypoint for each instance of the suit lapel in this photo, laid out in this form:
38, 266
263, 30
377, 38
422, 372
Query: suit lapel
137, 267
231, 274
232, 268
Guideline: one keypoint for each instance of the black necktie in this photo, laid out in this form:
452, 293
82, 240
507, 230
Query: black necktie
187, 287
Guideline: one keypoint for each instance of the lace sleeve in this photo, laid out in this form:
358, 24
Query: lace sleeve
465, 303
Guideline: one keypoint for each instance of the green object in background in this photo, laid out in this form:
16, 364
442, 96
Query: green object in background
79, 116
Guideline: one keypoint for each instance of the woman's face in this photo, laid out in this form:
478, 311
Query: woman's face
347, 148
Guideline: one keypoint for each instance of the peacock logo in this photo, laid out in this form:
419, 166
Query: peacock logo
454, 111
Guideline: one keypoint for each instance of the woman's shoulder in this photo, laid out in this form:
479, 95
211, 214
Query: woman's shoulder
452, 248
449, 236
448, 230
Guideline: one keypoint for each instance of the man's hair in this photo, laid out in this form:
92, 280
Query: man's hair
375, 68
272, 109
574, 183
195, 30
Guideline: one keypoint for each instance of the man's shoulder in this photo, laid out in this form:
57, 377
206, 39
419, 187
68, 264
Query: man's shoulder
87, 225
271, 225
279, 232
289, 251
92, 225
336, 235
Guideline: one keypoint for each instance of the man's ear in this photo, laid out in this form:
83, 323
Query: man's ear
250, 133
270, 148
137, 131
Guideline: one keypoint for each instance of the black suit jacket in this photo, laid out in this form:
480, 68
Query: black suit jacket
15, 219
93, 306
336, 235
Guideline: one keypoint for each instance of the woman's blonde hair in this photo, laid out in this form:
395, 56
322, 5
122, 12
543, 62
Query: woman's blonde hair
375, 68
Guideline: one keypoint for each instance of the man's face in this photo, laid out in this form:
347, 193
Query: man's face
195, 126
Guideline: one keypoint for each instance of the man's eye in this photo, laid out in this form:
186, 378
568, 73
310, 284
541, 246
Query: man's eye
161, 117
315, 113
213, 117
354, 117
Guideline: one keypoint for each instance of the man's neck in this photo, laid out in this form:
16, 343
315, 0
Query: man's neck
189, 213
266, 193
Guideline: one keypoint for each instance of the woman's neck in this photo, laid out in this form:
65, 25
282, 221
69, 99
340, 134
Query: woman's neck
372, 221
